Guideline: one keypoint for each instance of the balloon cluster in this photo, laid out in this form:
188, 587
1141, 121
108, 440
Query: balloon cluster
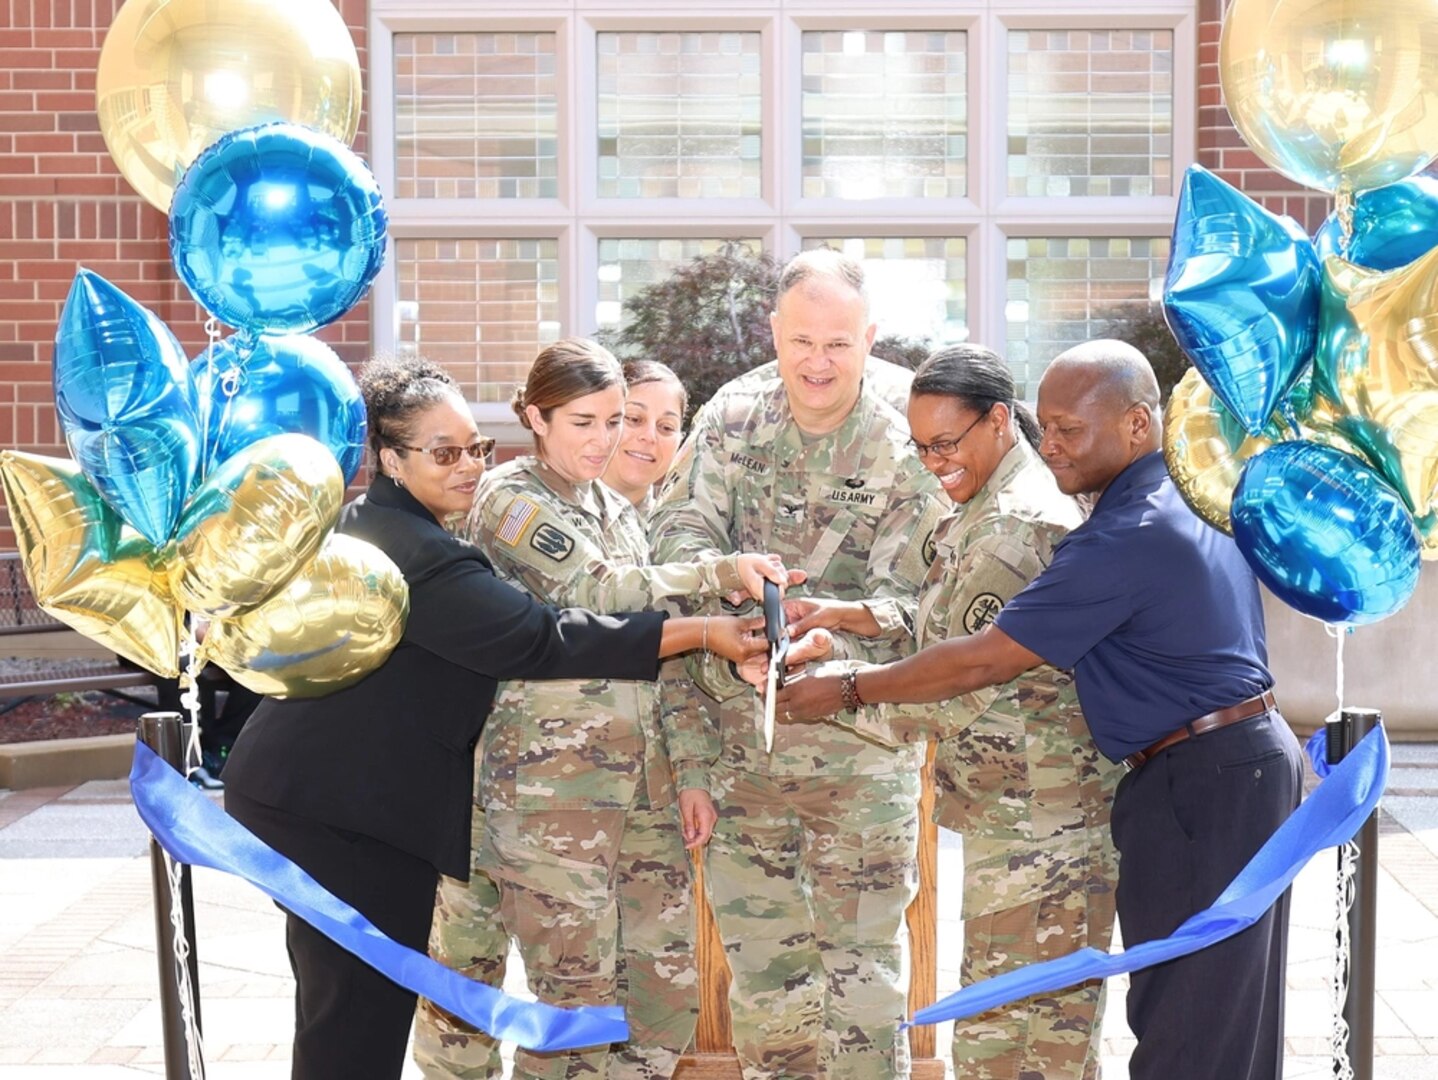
212, 485
1309, 425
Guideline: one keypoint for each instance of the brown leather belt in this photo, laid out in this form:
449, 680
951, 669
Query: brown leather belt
1234, 714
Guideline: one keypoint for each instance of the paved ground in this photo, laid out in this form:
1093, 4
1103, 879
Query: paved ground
78, 971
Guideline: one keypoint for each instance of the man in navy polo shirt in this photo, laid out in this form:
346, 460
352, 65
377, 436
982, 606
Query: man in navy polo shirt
1159, 618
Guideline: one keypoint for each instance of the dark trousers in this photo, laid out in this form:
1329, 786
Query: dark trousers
351, 1023
1184, 824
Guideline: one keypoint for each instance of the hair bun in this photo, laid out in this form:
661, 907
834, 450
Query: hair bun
516, 402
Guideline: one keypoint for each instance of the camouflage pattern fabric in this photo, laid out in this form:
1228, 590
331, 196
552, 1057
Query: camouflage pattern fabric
467, 935
809, 880
599, 905
1017, 774
818, 967
558, 757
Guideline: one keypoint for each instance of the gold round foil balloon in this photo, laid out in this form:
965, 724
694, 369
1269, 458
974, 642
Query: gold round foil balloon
1205, 448
85, 568
334, 623
1335, 94
254, 522
175, 75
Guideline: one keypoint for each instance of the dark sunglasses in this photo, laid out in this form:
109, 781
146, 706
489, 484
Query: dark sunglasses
445, 456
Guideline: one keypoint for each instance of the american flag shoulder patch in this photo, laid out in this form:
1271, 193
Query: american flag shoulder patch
516, 520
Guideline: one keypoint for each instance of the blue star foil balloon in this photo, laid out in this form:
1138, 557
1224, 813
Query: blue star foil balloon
284, 385
1241, 296
277, 229
127, 406
1392, 225
1326, 533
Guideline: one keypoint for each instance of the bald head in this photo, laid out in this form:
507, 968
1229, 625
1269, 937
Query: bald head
1114, 370
1098, 405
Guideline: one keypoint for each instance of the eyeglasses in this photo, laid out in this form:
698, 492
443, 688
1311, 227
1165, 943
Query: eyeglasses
945, 447
445, 456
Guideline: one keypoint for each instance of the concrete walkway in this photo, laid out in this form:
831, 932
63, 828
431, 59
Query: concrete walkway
78, 984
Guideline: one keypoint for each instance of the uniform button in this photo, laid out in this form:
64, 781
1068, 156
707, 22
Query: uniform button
1258, 774
473, 743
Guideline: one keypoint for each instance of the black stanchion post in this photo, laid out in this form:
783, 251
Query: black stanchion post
165, 733
1343, 735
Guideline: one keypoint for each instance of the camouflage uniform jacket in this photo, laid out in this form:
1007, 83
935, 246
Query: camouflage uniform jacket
854, 508
1016, 771
593, 743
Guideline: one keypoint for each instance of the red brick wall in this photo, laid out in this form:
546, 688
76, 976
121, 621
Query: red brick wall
63, 204
1223, 150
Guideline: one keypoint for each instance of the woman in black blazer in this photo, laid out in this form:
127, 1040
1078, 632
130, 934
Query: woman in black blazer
369, 788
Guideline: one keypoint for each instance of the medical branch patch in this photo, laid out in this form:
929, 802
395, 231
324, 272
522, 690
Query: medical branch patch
982, 611
550, 541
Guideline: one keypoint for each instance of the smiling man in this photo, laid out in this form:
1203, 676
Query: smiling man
814, 857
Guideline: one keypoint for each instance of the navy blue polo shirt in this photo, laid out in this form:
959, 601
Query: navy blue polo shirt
1154, 611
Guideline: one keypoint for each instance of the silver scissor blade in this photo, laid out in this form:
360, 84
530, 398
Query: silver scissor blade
771, 690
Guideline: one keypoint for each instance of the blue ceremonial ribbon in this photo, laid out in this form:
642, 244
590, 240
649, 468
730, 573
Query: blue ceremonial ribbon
1329, 817
196, 831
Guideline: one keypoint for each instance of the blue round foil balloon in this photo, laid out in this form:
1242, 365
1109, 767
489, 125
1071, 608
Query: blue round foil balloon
1326, 533
1392, 225
127, 406
277, 229
283, 385
1241, 296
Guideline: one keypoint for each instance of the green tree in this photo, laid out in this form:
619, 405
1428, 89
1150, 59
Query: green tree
708, 320
1143, 327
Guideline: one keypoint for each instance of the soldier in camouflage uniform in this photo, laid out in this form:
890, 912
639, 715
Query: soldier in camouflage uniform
814, 857
1016, 770
582, 844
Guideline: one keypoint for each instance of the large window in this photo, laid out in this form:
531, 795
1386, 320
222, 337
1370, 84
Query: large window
1004, 170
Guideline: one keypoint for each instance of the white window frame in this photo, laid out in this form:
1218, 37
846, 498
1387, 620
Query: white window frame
577, 218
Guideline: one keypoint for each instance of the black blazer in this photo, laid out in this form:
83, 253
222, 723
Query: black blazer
392, 756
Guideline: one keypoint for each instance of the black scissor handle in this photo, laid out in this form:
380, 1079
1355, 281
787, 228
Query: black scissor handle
775, 627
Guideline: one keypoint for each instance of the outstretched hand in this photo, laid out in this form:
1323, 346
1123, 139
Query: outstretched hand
815, 645
808, 697
730, 637
808, 612
754, 570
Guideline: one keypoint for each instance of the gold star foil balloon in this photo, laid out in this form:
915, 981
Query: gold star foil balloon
85, 568
256, 520
337, 620
1375, 374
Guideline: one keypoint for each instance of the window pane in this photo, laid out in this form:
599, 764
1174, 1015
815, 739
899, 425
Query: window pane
628, 264
679, 115
885, 114
482, 308
916, 284
1062, 290
1090, 112
476, 116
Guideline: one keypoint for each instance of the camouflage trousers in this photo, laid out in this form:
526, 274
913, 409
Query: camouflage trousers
1046, 1036
598, 903
809, 878
469, 936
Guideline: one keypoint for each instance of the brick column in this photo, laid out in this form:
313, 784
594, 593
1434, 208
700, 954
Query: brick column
1222, 149
63, 205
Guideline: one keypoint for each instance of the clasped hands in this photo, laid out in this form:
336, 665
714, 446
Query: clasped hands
811, 621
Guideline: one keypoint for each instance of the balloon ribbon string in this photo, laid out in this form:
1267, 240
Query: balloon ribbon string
194, 830
1331, 815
